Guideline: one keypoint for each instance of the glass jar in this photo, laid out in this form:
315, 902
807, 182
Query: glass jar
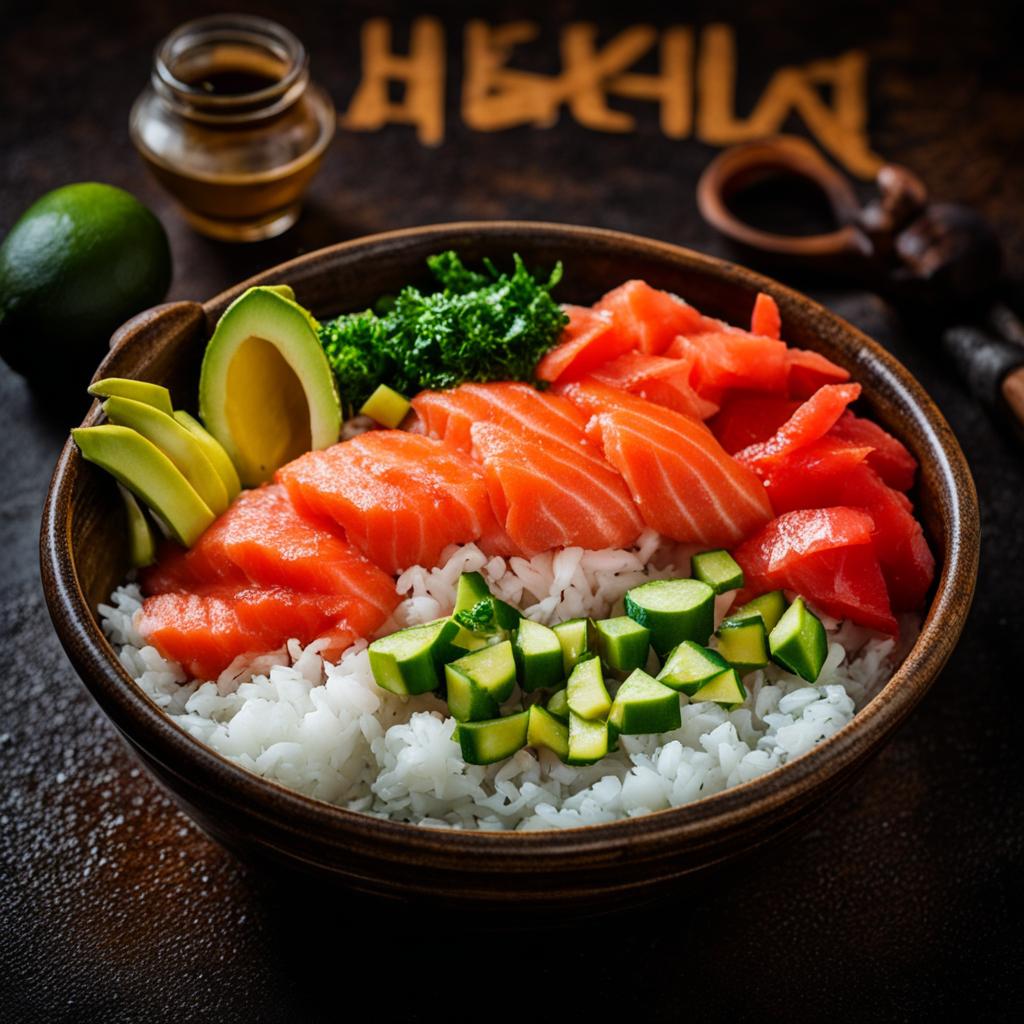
232, 126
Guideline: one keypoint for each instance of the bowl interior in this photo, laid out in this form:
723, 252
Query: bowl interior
83, 544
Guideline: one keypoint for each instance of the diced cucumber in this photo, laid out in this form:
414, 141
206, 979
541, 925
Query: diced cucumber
493, 740
404, 662
689, 666
588, 740
743, 642
545, 730
455, 642
468, 702
559, 704
621, 643
538, 654
798, 641
674, 611
386, 406
643, 705
726, 689
718, 569
478, 610
491, 670
770, 607
572, 635
586, 691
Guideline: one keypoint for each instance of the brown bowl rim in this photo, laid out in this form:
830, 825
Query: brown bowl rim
104, 675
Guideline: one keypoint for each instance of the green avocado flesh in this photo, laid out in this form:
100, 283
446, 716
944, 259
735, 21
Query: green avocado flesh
149, 475
141, 542
176, 442
266, 390
138, 390
214, 451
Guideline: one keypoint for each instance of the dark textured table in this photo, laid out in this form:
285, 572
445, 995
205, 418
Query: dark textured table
904, 898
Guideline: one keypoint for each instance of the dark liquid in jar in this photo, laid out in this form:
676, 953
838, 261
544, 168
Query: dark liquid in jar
232, 81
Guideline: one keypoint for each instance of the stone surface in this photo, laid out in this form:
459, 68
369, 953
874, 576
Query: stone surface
902, 900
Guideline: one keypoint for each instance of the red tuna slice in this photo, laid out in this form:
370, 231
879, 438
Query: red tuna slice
521, 408
400, 497
826, 555
685, 485
890, 459
206, 631
649, 317
813, 419
765, 319
808, 371
659, 380
834, 472
591, 338
262, 539
746, 419
723, 360
549, 495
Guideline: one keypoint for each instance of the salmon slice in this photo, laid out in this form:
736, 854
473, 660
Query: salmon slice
808, 371
658, 379
766, 319
518, 407
590, 339
684, 483
812, 420
827, 556
890, 458
262, 539
746, 418
648, 317
549, 495
723, 360
206, 630
400, 497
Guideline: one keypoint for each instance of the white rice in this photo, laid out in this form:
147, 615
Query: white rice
328, 731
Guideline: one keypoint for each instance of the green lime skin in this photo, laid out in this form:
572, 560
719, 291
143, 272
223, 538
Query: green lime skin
78, 263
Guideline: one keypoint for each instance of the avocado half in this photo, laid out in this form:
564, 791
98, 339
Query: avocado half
266, 390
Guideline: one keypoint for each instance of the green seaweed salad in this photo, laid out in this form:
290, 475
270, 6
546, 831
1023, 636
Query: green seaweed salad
478, 326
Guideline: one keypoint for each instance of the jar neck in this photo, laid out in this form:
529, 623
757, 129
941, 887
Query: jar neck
230, 69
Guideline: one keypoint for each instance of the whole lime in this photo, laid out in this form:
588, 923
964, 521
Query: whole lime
78, 263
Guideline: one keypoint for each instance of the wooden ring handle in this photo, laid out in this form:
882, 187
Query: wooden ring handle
741, 166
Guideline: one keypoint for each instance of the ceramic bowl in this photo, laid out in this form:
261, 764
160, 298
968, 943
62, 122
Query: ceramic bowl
84, 557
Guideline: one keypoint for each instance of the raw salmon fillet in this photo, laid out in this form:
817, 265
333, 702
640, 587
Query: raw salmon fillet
520, 408
590, 339
206, 630
658, 379
400, 497
684, 483
551, 495
649, 317
262, 539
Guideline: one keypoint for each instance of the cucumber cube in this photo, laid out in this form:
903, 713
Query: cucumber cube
674, 611
545, 730
725, 689
538, 656
468, 702
770, 607
588, 740
404, 662
587, 695
493, 740
572, 635
621, 643
798, 641
690, 666
455, 642
643, 705
385, 406
491, 671
479, 611
744, 642
718, 569
559, 704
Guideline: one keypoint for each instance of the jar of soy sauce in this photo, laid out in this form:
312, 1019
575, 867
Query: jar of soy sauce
232, 125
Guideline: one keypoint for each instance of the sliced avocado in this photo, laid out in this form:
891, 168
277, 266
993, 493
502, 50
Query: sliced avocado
266, 390
214, 451
149, 475
138, 390
141, 542
175, 442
